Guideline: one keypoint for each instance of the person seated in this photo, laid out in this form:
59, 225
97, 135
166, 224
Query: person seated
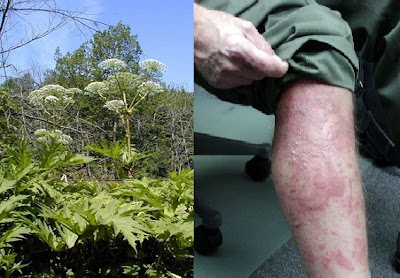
297, 60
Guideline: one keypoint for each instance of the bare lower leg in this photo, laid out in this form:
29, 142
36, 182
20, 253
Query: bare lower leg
317, 179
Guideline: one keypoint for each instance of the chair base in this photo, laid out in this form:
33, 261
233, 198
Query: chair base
207, 241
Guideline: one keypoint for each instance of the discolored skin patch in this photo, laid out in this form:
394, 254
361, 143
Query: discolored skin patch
316, 176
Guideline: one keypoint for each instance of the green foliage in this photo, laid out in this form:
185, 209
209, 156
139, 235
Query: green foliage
161, 124
79, 68
164, 126
9, 124
54, 222
8, 265
118, 155
172, 226
53, 228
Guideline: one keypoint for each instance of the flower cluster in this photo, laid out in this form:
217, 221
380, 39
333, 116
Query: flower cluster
47, 136
150, 88
51, 99
124, 82
123, 89
53, 95
115, 105
113, 65
96, 88
153, 66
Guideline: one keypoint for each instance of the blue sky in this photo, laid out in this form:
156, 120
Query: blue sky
164, 29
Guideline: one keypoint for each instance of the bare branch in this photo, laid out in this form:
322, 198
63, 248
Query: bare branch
3, 20
61, 126
21, 27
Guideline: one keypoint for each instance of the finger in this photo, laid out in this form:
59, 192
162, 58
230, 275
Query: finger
246, 71
235, 68
259, 61
252, 34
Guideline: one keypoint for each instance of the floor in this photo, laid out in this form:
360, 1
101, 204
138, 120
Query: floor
253, 224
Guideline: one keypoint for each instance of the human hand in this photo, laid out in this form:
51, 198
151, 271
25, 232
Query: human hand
229, 51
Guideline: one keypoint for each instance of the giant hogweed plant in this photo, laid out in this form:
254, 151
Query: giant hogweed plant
51, 228
52, 101
123, 91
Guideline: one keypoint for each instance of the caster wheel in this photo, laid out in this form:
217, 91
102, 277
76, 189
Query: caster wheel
206, 241
258, 168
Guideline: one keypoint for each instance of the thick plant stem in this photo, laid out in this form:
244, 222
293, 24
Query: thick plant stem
128, 128
128, 142
128, 135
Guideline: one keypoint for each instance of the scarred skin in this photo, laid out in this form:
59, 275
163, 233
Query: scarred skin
317, 179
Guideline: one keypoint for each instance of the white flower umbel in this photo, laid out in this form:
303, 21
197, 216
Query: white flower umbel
150, 88
115, 105
74, 91
152, 69
113, 65
123, 82
57, 136
68, 100
36, 97
51, 99
151, 65
56, 90
96, 88
51, 95
64, 139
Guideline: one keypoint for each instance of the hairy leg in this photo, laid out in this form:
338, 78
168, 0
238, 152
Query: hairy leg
317, 179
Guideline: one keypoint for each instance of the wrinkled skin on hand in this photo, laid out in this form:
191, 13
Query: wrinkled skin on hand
229, 51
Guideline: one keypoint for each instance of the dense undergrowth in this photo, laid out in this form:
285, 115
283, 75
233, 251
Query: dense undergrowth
51, 226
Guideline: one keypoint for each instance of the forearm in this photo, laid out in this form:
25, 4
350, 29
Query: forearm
317, 179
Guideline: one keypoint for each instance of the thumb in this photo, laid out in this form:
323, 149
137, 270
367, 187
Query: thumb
260, 61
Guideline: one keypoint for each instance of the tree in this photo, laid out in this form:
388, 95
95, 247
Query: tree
81, 67
17, 27
118, 43
9, 123
20, 85
164, 125
161, 125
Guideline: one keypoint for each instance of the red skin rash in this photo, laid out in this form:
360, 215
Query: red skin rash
316, 145
343, 261
316, 184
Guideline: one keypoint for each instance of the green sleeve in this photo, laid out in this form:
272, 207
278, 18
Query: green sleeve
315, 41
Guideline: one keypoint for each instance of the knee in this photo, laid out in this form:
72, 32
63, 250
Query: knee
316, 42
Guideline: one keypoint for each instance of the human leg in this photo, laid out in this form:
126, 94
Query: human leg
317, 179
